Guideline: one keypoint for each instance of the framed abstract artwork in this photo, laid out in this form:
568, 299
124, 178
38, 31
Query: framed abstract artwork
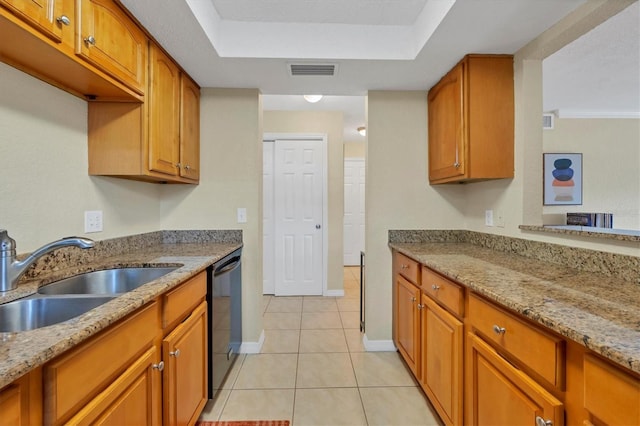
562, 177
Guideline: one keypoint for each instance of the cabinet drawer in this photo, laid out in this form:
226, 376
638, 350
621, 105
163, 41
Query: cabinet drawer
610, 394
180, 302
74, 378
448, 293
408, 268
532, 347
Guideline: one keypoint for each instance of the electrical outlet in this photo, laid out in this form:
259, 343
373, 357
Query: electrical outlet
488, 217
92, 221
499, 219
242, 215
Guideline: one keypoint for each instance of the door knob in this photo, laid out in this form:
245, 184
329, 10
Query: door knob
318, 226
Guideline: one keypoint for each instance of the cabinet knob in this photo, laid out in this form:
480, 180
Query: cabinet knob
413, 299
435, 287
420, 306
90, 40
499, 330
542, 422
403, 266
456, 165
159, 366
63, 20
179, 165
175, 353
187, 167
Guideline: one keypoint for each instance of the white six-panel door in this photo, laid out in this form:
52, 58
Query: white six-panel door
298, 214
354, 182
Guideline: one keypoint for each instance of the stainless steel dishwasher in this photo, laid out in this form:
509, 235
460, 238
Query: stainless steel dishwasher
224, 296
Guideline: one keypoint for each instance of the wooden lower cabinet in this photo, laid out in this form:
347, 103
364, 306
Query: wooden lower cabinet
500, 394
408, 323
185, 375
611, 396
442, 360
132, 399
21, 401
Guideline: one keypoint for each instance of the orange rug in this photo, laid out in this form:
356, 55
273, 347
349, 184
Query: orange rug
244, 423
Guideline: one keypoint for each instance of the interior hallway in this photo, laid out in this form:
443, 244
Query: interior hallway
313, 370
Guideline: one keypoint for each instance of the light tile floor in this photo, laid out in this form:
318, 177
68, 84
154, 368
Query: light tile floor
313, 370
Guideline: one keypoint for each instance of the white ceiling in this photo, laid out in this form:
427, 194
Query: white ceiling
377, 44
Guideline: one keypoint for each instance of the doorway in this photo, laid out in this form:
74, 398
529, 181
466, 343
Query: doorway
294, 215
354, 185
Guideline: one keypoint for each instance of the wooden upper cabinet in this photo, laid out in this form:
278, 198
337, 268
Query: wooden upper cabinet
446, 150
471, 121
43, 15
111, 41
189, 129
164, 107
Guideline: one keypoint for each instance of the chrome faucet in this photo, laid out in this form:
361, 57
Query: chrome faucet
11, 270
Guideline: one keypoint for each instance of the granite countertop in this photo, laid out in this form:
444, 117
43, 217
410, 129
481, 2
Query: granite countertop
23, 351
599, 312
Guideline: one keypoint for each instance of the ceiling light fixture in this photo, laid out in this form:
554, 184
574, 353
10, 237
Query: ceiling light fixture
312, 98
362, 130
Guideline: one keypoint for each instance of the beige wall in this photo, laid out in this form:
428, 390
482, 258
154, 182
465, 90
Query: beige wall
45, 188
354, 150
231, 177
610, 162
331, 124
398, 195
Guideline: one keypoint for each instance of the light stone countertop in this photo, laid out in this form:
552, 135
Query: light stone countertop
599, 312
23, 351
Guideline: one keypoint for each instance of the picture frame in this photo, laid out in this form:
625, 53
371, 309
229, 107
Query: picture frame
562, 179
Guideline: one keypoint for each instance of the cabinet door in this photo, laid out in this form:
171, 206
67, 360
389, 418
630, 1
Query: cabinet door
446, 130
189, 128
184, 352
408, 325
164, 96
40, 14
132, 399
500, 394
442, 356
111, 41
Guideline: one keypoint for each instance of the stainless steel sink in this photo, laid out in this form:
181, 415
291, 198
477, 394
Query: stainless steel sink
109, 281
36, 311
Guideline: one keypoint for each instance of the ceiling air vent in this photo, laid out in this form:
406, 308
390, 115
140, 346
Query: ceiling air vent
547, 121
313, 70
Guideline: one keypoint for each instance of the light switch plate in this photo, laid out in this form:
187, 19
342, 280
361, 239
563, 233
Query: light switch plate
242, 215
488, 217
92, 221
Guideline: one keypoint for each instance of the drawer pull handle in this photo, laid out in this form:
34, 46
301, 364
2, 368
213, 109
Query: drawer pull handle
175, 353
63, 20
499, 330
435, 287
542, 422
159, 366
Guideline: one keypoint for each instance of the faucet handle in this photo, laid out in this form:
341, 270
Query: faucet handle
7, 244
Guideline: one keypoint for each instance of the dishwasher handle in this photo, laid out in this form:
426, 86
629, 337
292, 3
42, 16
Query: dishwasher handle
227, 266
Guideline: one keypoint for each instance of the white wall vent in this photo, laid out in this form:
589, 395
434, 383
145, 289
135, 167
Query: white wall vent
547, 121
314, 70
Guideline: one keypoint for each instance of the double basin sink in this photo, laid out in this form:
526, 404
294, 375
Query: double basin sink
71, 297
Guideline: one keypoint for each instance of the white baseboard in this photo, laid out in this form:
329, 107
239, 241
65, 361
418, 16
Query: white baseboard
378, 345
334, 293
252, 347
